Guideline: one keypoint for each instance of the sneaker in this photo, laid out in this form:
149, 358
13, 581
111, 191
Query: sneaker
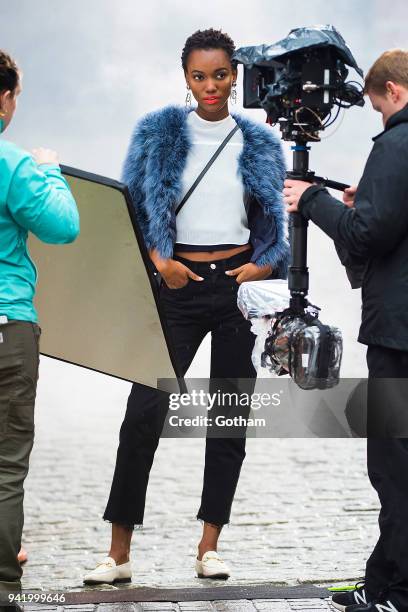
212, 566
341, 600
107, 572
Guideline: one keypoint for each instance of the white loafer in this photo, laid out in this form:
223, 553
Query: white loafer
107, 572
212, 566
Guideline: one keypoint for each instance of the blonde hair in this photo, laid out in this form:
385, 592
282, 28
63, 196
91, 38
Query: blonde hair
392, 65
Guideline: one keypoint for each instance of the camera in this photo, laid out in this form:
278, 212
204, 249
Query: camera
300, 79
301, 83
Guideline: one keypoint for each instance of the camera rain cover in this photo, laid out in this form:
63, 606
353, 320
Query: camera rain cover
97, 298
297, 40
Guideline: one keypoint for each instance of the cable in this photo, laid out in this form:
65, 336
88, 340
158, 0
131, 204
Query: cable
338, 125
312, 136
326, 125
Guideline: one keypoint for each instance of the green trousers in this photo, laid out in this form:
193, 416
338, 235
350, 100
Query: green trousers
19, 360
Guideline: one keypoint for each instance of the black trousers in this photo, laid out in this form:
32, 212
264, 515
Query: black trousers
387, 460
19, 362
191, 312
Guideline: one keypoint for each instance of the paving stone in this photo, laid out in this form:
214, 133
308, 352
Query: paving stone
38, 607
264, 604
112, 607
272, 605
119, 607
196, 606
239, 605
159, 604
305, 605
80, 607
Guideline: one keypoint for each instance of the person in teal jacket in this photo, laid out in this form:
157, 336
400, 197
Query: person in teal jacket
34, 197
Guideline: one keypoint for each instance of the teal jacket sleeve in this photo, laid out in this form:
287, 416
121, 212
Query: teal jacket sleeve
40, 201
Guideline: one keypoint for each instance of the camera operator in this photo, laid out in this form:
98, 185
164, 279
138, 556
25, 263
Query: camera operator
371, 226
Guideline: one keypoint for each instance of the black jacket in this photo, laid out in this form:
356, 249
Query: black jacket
372, 237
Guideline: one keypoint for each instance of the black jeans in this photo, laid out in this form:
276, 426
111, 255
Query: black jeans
191, 312
387, 461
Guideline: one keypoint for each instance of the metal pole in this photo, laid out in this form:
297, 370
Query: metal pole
298, 281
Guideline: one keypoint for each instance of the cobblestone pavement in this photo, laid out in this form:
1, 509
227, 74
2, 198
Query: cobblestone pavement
304, 511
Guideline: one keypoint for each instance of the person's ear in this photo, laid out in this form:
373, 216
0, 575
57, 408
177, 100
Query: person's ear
392, 90
5, 97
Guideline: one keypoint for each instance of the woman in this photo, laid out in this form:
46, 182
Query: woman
33, 197
230, 230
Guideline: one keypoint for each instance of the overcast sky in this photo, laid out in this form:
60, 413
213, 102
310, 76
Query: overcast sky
93, 67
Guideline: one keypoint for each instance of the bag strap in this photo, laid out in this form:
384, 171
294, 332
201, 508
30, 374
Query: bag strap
207, 167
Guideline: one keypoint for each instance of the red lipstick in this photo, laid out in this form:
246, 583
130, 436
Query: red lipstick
211, 100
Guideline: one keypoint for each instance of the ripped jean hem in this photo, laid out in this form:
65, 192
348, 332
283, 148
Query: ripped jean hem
128, 526
203, 520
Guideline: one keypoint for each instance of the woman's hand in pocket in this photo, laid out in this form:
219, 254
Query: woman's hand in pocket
176, 275
250, 272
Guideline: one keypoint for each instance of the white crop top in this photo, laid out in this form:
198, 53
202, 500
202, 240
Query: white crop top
214, 215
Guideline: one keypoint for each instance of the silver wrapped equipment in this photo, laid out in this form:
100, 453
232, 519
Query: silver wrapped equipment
299, 345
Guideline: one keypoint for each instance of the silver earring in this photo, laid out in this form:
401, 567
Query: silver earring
233, 95
188, 97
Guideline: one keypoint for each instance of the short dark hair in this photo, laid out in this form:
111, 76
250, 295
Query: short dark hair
9, 77
208, 39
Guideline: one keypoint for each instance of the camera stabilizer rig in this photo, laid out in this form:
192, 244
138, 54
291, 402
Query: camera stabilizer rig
298, 81
298, 280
